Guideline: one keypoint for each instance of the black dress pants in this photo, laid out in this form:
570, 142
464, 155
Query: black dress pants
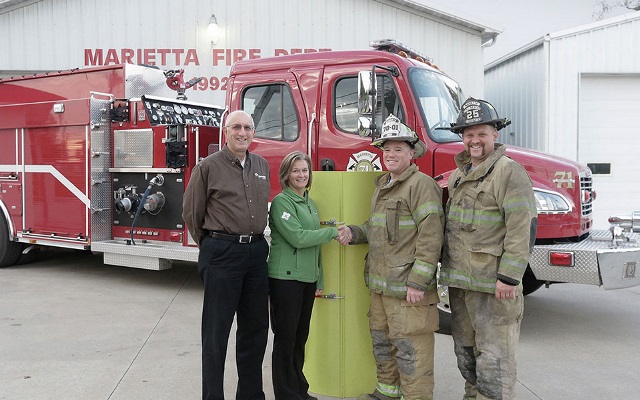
291, 304
235, 281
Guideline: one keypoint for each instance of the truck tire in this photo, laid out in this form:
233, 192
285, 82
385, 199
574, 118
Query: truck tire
9, 250
27, 255
529, 282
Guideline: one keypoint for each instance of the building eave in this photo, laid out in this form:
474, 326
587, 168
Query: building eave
565, 33
488, 34
10, 5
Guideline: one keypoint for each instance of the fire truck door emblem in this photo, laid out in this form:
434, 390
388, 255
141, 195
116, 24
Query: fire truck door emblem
563, 177
364, 161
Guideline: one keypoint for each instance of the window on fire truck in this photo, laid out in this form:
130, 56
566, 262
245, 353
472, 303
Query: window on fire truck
273, 111
345, 114
440, 99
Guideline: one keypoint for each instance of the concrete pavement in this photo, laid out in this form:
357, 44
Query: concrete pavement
73, 328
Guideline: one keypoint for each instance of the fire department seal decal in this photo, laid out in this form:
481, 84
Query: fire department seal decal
364, 161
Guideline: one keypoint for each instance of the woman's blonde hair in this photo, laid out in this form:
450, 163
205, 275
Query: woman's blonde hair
287, 165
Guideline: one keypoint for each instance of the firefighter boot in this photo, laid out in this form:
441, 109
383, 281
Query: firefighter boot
376, 395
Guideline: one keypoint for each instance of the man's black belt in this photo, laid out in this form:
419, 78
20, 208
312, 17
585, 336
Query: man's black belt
236, 238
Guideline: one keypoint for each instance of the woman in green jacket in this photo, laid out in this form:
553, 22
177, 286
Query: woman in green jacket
295, 274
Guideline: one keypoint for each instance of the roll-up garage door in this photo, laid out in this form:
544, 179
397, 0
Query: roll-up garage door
609, 141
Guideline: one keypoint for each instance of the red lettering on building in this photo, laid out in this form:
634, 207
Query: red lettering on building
229, 56
239, 54
181, 57
254, 53
127, 56
111, 57
284, 52
94, 57
150, 57
178, 53
191, 57
163, 55
218, 55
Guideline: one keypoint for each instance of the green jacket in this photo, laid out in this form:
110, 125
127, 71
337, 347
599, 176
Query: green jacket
296, 238
404, 232
491, 223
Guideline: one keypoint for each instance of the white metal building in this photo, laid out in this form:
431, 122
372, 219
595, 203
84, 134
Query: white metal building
45, 35
576, 94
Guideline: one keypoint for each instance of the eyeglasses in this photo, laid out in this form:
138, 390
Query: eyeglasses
238, 127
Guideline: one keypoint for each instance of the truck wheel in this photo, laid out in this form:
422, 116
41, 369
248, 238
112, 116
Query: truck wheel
27, 255
529, 282
9, 250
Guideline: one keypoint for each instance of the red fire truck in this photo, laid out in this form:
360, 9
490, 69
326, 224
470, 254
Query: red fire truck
99, 158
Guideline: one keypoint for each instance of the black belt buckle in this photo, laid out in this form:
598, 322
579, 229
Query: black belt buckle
243, 239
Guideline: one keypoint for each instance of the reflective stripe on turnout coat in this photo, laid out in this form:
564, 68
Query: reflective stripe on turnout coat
490, 224
404, 232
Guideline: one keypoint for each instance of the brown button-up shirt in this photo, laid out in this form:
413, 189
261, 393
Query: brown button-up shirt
224, 196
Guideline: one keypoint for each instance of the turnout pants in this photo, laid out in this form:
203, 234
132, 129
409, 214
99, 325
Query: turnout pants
485, 334
235, 282
403, 340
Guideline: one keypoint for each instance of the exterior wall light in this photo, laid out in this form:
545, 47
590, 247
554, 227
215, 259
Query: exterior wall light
212, 29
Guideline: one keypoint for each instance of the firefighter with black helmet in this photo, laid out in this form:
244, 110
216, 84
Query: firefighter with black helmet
490, 229
478, 112
405, 233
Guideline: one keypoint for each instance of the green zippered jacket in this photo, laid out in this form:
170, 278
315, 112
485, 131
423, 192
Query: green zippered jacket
404, 232
296, 238
491, 223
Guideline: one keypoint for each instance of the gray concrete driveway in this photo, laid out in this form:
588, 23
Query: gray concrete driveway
73, 328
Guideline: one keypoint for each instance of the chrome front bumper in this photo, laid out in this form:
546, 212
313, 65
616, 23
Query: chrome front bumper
598, 261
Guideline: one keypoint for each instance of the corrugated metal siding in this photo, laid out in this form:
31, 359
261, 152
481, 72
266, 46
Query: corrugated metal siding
52, 35
609, 49
538, 88
517, 89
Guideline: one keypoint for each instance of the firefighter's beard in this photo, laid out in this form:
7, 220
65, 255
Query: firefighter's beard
484, 154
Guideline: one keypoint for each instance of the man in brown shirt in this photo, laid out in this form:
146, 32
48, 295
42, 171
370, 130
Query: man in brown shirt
225, 208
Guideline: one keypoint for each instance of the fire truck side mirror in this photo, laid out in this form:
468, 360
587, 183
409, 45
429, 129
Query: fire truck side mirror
364, 126
366, 92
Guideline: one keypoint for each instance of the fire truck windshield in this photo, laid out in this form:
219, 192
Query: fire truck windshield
439, 98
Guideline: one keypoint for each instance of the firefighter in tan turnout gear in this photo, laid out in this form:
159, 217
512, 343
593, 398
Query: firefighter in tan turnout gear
405, 233
490, 229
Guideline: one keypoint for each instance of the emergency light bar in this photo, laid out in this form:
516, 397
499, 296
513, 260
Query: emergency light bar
396, 47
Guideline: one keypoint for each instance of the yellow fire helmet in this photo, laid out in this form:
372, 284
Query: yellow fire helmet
394, 129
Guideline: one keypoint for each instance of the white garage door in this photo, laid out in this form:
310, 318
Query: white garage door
609, 141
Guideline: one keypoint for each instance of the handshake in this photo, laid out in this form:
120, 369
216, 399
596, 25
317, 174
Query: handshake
344, 235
